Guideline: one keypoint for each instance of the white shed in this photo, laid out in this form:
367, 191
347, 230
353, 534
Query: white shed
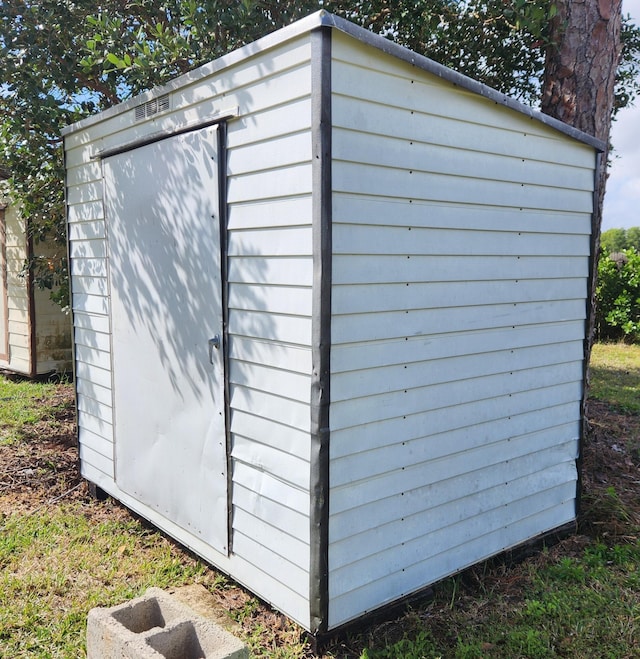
35, 333
329, 301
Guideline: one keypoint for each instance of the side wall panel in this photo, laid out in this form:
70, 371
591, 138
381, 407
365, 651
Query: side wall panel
461, 254
269, 309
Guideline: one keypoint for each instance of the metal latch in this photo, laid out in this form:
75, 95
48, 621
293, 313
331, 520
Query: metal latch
213, 343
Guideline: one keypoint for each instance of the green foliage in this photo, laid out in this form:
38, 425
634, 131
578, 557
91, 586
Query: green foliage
62, 61
628, 73
617, 240
618, 296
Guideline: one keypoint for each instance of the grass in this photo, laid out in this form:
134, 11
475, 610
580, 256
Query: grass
615, 374
59, 563
62, 555
23, 403
585, 606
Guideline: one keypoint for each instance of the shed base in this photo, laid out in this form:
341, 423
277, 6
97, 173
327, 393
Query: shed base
509, 558
96, 492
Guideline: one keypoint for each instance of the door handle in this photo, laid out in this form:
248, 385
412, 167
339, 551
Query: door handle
213, 343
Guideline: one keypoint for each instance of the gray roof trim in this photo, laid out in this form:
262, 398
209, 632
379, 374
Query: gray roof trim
463, 81
271, 40
320, 19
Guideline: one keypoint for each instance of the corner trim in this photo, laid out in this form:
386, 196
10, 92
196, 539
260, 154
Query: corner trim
321, 329
589, 325
33, 352
221, 136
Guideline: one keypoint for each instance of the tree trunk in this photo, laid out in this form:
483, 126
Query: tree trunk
578, 87
581, 64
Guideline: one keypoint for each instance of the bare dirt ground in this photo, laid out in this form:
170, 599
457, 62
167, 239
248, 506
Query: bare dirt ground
45, 465
42, 470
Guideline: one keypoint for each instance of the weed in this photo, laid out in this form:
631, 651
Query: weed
568, 570
421, 646
530, 643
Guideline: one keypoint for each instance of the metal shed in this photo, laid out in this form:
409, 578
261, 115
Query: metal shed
329, 301
35, 333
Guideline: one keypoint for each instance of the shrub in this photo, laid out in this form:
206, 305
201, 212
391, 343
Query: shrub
618, 296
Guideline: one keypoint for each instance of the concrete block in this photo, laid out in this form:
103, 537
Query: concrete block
157, 626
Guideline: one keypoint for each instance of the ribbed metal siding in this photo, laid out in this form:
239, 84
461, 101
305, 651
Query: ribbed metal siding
269, 259
459, 277
269, 294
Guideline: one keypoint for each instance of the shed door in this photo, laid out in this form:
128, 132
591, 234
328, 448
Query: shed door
168, 377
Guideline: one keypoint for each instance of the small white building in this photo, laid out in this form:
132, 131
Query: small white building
329, 301
35, 333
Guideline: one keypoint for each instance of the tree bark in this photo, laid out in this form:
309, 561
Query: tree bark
578, 88
581, 63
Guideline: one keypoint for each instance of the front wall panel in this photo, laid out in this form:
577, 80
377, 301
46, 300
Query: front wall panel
269, 214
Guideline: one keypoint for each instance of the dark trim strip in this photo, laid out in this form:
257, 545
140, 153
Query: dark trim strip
321, 328
224, 284
589, 323
157, 137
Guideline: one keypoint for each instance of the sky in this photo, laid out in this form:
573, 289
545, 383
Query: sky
622, 198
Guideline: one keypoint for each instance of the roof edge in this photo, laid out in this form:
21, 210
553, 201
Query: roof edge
459, 79
323, 18
275, 38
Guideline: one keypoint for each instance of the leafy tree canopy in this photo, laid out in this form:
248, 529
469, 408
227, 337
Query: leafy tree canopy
62, 60
617, 240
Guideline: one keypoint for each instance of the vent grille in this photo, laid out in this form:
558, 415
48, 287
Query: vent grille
154, 106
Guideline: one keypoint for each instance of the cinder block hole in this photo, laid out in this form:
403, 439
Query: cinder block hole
181, 642
144, 615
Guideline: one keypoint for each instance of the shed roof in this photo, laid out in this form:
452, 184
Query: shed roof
323, 18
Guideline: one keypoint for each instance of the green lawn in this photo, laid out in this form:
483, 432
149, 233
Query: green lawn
615, 375
61, 555
23, 403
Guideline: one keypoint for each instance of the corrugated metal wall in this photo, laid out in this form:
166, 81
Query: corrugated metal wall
457, 325
270, 279
269, 248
